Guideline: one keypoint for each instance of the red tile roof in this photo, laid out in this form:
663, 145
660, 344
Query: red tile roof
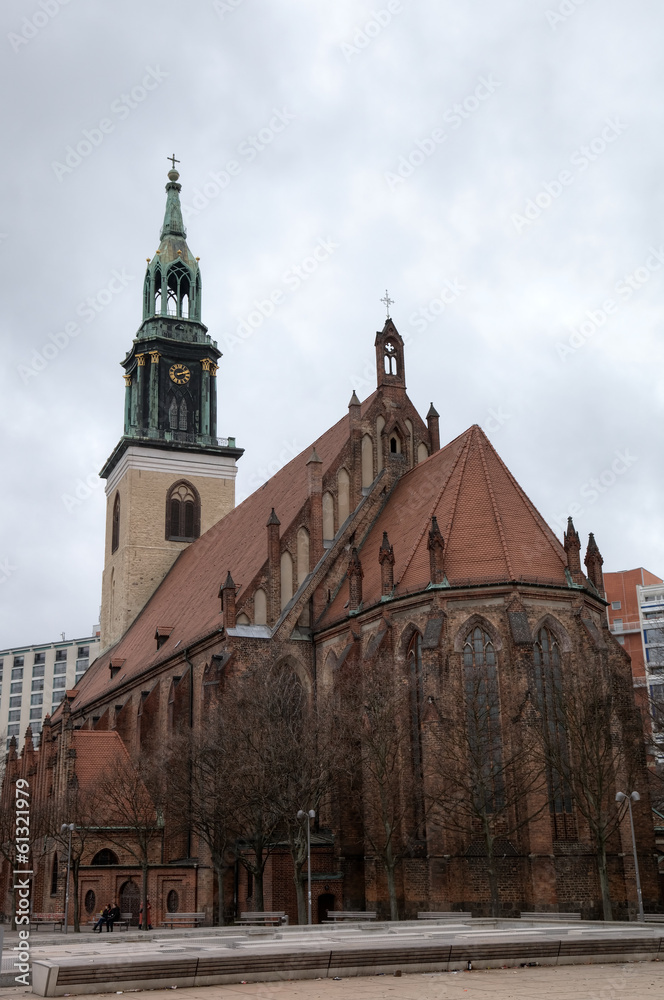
188, 596
96, 753
491, 529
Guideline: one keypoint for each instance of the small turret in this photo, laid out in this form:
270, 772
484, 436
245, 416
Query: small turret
436, 547
572, 545
386, 560
594, 563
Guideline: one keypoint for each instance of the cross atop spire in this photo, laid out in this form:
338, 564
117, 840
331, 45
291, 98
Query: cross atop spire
387, 302
173, 160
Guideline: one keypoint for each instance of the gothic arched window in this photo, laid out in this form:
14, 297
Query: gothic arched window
416, 688
157, 292
183, 415
173, 414
183, 512
390, 358
549, 693
483, 721
115, 527
178, 288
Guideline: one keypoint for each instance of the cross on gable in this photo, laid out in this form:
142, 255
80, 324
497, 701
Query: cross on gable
387, 301
174, 161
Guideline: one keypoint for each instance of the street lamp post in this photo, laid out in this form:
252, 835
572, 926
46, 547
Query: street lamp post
70, 827
308, 816
633, 797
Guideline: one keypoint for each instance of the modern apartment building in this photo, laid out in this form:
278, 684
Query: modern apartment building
636, 618
33, 681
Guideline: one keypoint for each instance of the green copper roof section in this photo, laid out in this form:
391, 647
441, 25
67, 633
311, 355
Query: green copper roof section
173, 224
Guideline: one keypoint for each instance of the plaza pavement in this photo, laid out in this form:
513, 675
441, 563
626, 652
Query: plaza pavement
638, 981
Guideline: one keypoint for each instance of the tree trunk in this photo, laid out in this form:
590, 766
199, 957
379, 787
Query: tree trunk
220, 869
302, 911
259, 905
145, 897
392, 891
604, 882
494, 889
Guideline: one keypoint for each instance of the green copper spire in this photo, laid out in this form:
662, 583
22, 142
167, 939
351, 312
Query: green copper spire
173, 224
173, 279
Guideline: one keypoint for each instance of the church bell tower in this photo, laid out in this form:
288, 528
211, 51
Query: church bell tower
170, 478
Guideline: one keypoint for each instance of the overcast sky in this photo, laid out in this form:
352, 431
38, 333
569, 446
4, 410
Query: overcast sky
497, 165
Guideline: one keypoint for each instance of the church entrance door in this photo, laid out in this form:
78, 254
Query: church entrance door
325, 903
130, 900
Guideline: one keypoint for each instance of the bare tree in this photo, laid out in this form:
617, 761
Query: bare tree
379, 771
592, 744
202, 792
80, 808
132, 797
485, 779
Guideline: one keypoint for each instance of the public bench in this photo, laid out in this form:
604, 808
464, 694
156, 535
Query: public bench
432, 915
654, 918
123, 922
268, 918
335, 915
183, 920
549, 916
37, 920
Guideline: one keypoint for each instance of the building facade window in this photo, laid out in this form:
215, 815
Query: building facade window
17, 674
183, 513
115, 526
483, 721
40, 657
54, 876
416, 689
38, 671
549, 696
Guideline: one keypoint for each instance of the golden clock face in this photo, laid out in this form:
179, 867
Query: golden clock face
179, 374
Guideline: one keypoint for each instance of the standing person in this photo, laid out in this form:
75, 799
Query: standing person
113, 916
140, 915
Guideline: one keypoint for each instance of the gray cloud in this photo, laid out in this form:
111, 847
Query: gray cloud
493, 350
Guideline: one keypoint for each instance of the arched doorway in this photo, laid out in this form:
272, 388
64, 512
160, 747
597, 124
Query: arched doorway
325, 903
130, 900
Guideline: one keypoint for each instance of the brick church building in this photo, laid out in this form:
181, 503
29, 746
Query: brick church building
374, 552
